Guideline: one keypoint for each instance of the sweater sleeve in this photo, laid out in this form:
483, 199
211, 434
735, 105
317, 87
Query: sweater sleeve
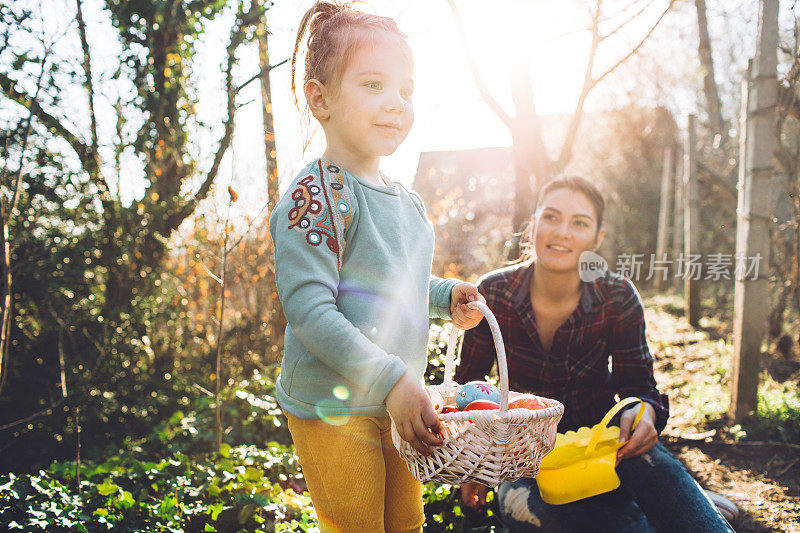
631, 361
439, 291
309, 226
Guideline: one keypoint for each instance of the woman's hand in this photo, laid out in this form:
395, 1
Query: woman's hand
411, 409
473, 494
644, 436
464, 317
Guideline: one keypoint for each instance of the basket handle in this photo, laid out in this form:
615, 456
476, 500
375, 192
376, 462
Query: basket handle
609, 415
502, 366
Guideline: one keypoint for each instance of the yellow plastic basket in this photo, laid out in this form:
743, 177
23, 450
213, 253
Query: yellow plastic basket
583, 462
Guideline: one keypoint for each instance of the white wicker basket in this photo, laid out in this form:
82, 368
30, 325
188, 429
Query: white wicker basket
485, 446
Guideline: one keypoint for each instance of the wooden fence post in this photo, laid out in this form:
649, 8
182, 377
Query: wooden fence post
664, 214
756, 165
677, 213
691, 227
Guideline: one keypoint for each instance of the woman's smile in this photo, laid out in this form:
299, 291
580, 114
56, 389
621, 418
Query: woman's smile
559, 249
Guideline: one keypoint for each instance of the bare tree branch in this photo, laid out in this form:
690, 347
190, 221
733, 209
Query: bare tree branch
638, 46
119, 147
81, 149
6, 214
249, 227
50, 122
178, 216
575, 121
627, 21
53, 404
87, 67
260, 73
5, 321
487, 97
61, 366
713, 179
46, 411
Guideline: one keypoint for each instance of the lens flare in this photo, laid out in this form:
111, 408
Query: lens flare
341, 392
331, 412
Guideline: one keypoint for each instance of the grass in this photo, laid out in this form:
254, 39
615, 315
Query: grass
694, 367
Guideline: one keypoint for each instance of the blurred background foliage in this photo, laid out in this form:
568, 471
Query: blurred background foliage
114, 309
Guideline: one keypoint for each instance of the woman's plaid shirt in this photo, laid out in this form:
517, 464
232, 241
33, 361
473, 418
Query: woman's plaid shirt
608, 323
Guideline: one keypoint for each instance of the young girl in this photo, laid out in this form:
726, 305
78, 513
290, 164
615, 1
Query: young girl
353, 255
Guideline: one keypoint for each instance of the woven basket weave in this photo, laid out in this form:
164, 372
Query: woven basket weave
485, 446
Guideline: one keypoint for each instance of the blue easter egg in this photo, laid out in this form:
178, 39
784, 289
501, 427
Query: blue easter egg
476, 390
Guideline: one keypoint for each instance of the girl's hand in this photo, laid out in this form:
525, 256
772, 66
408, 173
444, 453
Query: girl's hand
473, 494
464, 317
411, 409
644, 436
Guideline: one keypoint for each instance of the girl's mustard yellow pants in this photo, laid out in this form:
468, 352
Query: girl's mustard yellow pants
357, 480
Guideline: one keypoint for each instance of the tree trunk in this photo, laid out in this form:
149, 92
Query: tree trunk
523, 135
277, 322
709, 83
756, 162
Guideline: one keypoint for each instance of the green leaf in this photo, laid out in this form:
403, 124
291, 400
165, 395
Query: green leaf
168, 507
215, 509
176, 417
253, 474
127, 500
246, 512
107, 488
225, 450
209, 527
100, 512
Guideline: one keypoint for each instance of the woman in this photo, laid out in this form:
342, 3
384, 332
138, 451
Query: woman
559, 333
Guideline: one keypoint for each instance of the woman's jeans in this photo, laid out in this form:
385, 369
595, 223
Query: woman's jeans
657, 494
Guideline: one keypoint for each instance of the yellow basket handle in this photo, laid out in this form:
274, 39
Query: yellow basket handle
609, 415
502, 367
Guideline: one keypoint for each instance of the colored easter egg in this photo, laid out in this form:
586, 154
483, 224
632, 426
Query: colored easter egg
449, 409
480, 405
435, 398
476, 390
526, 401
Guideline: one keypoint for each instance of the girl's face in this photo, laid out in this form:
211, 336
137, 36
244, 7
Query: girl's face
370, 113
564, 226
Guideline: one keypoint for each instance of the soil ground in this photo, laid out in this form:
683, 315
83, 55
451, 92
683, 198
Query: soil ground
692, 367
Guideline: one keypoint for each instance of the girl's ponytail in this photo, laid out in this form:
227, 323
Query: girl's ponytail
334, 31
311, 22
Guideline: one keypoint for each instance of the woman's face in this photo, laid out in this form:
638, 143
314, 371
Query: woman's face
564, 226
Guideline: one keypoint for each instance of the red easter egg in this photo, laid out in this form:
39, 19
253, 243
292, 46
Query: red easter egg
480, 405
449, 409
527, 402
